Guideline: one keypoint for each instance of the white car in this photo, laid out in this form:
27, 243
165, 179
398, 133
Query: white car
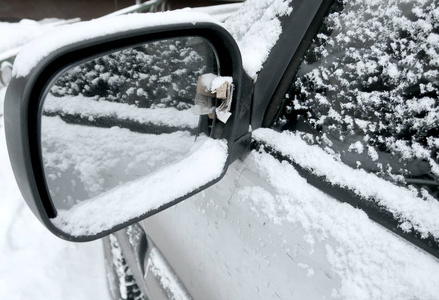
290, 152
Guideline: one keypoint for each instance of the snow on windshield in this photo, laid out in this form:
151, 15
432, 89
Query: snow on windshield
35, 51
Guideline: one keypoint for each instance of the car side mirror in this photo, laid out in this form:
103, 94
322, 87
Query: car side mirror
107, 125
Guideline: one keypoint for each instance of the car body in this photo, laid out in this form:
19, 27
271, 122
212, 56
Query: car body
336, 194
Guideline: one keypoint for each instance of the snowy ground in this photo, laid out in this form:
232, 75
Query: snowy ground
34, 264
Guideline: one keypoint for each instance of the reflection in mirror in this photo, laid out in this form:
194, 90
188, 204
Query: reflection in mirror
123, 122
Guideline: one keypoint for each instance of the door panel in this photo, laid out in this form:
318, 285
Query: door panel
221, 249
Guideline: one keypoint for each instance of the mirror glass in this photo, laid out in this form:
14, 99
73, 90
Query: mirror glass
119, 135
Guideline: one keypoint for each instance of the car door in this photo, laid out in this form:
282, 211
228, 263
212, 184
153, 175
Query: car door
349, 124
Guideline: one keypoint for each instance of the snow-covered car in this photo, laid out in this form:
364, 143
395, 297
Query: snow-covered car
290, 152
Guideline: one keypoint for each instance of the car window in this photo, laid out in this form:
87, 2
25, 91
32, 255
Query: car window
367, 91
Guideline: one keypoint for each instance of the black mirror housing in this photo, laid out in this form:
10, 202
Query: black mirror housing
25, 94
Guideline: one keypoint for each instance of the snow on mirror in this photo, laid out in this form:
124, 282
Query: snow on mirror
120, 135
